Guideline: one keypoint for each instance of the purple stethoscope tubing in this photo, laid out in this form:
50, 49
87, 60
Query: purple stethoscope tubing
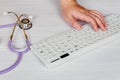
7, 25
12, 66
16, 52
20, 54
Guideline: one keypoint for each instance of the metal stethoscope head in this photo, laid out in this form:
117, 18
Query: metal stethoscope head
23, 22
19, 23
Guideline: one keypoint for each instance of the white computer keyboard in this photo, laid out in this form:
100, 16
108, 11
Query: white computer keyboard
63, 47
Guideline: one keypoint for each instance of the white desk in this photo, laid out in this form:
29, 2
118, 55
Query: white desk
100, 64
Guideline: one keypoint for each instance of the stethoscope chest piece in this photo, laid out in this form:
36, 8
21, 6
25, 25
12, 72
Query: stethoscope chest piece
26, 23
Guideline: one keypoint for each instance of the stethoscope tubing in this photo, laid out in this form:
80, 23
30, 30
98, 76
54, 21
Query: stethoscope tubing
16, 52
20, 54
7, 25
12, 66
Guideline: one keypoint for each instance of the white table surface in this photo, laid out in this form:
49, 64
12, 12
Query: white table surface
100, 64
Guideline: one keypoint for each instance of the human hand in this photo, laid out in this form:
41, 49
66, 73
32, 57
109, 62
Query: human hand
73, 12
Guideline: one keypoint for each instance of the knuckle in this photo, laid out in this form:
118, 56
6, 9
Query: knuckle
93, 21
100, 23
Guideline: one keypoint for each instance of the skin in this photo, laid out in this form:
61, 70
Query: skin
73, 12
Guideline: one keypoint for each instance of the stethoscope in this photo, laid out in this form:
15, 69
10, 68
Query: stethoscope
23, 21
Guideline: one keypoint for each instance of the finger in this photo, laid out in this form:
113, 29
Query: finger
74, 23
99, 22
92, 21
87, 18
98, 14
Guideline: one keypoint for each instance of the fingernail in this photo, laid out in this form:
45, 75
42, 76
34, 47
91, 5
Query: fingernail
77, 26
104, 29
96, 30
106, 25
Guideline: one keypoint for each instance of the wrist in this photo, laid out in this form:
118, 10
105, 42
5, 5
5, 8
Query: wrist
68, 2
